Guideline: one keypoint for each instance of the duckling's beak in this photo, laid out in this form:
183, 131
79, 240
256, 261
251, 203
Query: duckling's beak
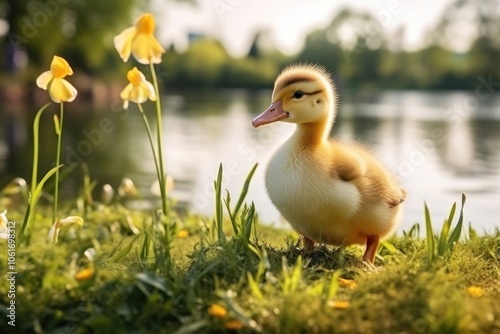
272, 114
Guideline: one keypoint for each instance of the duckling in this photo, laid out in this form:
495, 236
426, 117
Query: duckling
329, 191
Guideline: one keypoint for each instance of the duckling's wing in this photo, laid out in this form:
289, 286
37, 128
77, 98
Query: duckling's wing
398, 199
355, 164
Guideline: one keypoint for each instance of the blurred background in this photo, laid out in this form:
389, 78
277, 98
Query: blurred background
418, 82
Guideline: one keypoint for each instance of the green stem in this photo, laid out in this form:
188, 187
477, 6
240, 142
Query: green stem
36, 131
33, 201
58, 159
34, 174
151, 141
161, 172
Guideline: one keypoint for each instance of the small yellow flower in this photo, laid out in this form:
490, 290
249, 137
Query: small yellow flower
475, 291
139, 90
347, 283
84, 274
59, 89
217, 311
62, 223
182, 234
234, 325
339, 304
140, 41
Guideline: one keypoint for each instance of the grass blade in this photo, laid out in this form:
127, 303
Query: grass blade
443, 238
192, 327
156, 282
263, 261
296, 275
390, 247
413, 232
38, 191
334, 285
146, 243
244, 190
285, 284
123, 252
248, 222
254, 287
430, 234
457, 231
232, 217
36, 127
218, 205
472, 232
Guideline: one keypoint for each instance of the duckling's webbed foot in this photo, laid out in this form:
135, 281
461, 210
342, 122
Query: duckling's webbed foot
308, 244
372, 242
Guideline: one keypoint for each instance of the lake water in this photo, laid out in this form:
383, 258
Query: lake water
440, 144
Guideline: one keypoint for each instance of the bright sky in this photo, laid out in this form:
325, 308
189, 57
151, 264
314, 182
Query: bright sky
235, 22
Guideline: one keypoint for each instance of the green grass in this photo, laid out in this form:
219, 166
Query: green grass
150, 279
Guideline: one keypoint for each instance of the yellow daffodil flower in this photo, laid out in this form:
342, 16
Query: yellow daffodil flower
59, 89
140, 41
62, 223
139, 90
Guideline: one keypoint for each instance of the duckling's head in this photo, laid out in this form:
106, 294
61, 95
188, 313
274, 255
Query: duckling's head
302, 94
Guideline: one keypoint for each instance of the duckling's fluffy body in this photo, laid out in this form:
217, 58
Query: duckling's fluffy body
327, 204
330, 192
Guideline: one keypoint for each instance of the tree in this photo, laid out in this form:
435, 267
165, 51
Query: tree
474, 22
350, 46
80, 30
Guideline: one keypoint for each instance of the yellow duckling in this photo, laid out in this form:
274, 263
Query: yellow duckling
330, 192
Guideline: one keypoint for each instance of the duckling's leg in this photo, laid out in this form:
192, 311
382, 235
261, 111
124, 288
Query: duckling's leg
308, 244
372, 242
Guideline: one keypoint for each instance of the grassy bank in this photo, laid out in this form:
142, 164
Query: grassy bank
126, 272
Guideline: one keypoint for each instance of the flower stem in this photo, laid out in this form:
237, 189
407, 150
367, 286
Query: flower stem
59, 126
151, 141
161, 171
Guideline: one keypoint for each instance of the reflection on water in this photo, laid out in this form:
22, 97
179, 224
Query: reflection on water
440, 145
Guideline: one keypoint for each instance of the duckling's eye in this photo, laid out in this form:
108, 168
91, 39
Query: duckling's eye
298, 94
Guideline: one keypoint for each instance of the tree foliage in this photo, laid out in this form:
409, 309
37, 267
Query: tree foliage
356, 49
354, 46
207, 64
80, 30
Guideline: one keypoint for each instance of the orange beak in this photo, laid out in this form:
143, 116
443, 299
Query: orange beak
272, 114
